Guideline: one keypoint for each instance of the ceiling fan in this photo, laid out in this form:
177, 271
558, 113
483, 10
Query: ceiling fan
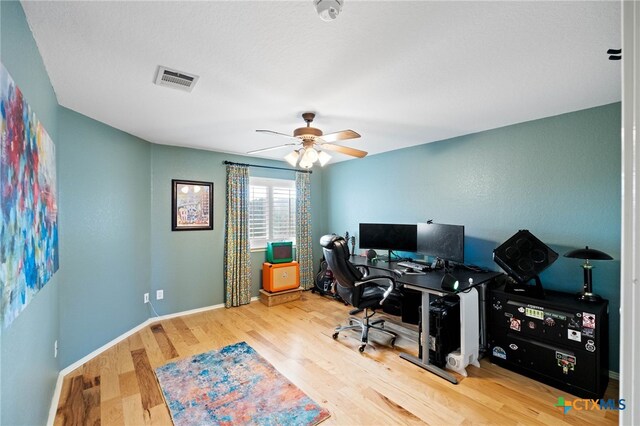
313, 144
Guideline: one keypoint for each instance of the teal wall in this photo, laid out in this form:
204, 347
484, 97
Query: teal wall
558, 177
116, 238
28, 369
105, 194
188, 265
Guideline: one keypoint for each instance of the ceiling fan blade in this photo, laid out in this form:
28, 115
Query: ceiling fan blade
255, 151
344, 150
271, 132
340, 136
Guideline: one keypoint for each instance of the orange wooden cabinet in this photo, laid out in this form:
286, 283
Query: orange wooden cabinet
280, 276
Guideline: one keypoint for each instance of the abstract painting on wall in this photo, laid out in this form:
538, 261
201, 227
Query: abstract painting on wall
28, 209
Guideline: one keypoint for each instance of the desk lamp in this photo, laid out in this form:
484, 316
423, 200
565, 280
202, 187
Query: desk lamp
449, 282
587, 254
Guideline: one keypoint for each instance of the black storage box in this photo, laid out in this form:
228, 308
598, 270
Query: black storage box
559, 340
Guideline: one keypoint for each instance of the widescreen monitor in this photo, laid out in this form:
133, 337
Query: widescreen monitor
442, 241
388, 236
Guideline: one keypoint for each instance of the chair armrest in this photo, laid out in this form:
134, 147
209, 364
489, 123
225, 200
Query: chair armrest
391, 282
363, 269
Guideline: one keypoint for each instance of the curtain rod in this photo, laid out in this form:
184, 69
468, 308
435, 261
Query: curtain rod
266, 167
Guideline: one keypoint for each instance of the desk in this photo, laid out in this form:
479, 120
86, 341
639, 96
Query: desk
428, 284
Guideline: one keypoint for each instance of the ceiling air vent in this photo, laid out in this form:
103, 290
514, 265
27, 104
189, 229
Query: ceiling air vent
175, 79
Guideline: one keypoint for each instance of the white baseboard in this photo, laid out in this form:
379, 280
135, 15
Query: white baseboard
58, 389
613, 375
53, 408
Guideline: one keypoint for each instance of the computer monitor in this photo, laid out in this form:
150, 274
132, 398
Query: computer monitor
442, 241
388, 236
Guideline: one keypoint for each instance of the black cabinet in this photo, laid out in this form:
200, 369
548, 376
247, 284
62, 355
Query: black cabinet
557, 340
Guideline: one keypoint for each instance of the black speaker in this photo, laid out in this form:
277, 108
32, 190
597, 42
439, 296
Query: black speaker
523, 256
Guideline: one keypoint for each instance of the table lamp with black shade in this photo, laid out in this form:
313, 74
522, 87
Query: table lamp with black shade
588, 254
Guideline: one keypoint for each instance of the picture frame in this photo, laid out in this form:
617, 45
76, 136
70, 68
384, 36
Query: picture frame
191, 205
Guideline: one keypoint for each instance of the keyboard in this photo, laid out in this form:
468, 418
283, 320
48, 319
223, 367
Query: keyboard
412, 265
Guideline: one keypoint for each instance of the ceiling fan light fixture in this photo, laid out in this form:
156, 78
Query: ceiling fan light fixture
292, 158
323, 158
313, 144
310, 154
304, 163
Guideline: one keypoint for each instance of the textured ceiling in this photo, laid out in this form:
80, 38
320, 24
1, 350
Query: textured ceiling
400, 73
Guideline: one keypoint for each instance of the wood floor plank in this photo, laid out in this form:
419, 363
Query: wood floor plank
128, 384
111, 412
185, 332
109, 382
124, 360
173, 337
375, 387
159, 415
91, 397
92, 368
132, 411
65, 392
135, 341
167, 348
89, 382
72, 411
204, 344
146, 380
402, 414
151, 347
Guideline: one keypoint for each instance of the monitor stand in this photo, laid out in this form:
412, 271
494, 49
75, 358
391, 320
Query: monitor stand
531, 290
388, 258
439, 264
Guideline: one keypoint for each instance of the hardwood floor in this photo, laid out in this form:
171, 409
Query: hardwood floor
377, 387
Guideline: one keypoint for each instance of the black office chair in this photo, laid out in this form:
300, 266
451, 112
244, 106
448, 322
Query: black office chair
356, 287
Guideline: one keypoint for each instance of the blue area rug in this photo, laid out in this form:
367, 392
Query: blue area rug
234, 385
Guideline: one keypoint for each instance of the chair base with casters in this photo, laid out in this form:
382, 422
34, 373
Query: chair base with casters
364, 325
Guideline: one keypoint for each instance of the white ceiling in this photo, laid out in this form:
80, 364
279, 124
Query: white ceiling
400, 73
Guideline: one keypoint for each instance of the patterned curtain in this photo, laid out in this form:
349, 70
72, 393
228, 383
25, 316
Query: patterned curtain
303, 229
237, 255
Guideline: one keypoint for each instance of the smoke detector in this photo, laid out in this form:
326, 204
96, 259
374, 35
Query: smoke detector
328, 10
175, 79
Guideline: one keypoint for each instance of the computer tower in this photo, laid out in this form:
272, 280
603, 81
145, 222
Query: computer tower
444, 329
411, 301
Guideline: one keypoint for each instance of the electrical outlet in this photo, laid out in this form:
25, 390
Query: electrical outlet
55, 349
159, 294
146, 298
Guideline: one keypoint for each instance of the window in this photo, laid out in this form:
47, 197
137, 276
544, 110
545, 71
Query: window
272, 211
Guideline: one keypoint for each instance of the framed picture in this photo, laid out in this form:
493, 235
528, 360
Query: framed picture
191, 205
